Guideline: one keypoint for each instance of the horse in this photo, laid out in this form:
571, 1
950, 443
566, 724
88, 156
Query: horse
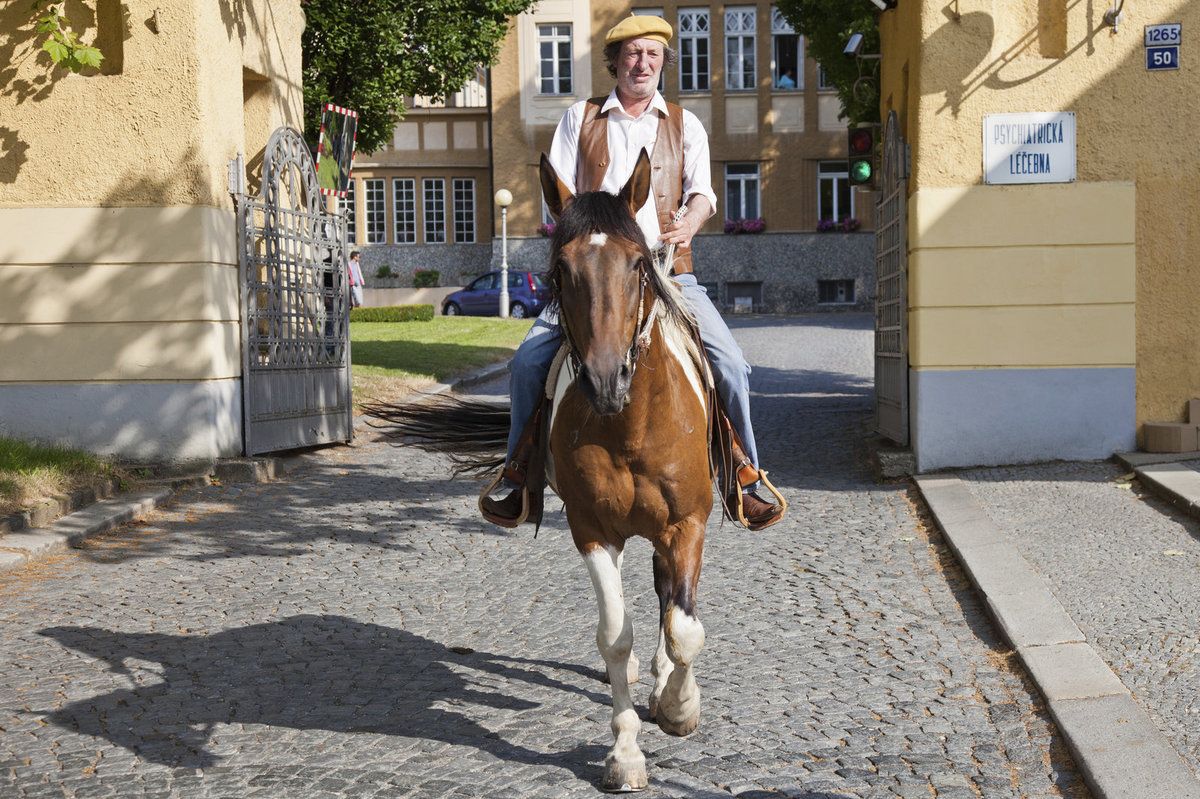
629, 442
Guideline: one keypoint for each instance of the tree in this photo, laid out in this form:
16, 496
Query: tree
62, 43
369, 55
826, 26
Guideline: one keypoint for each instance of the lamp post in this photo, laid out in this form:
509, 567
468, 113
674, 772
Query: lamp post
504, 199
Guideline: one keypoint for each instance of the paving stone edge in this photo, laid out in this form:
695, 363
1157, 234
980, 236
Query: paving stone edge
1116, 746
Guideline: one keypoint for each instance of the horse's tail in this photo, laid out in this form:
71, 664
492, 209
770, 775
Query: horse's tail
474, 433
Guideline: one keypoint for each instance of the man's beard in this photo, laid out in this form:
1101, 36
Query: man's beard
641, 91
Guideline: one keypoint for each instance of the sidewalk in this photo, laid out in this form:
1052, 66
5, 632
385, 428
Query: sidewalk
1076, 558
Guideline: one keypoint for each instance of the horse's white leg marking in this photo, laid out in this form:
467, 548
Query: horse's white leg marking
625, 766
661, 668
679, 703
634, 665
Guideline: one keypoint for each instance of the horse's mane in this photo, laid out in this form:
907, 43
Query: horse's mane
601, 212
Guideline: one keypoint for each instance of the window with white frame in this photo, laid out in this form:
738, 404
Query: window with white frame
654, 12
434, 190
823, 82
835, 199
693, 49
787, 51
739, 48
741, 191
347, 207
376, 213
464, 210
404, 210
554, 58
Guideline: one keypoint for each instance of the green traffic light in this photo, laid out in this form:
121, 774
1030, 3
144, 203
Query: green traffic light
860, 171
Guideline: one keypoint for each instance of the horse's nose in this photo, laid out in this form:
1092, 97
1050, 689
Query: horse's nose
607, 390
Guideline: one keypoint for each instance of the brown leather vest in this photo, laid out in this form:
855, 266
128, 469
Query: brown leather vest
666, 164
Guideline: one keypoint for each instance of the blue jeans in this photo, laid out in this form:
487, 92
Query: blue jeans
531, 365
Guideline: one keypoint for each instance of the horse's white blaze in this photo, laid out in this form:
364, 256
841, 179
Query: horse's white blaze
598, 239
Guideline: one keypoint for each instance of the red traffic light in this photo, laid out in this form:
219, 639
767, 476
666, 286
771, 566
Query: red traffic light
861, 141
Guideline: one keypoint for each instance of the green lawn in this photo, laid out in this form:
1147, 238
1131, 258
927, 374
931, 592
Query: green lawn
30, 472
392, 358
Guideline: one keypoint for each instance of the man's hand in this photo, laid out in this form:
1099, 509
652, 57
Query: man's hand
680, 233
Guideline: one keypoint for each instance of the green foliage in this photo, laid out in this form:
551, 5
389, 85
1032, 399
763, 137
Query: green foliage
426, 278
393, 313
385, 271
370, 54
826, 26
62, 44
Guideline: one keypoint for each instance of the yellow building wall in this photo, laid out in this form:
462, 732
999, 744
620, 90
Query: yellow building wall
1094, 273
117, 234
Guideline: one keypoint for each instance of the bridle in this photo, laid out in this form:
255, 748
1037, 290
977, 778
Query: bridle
641, 333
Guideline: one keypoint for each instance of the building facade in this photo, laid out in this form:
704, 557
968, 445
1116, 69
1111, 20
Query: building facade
777, 147
1046, 319
118, 239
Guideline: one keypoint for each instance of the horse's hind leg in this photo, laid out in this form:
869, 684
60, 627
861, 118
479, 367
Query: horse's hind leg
625, 766
678, 705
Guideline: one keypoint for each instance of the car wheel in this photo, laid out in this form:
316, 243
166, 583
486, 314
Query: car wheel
518, 311
451, 309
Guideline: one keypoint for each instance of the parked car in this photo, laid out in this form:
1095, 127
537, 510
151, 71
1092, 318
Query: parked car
527, 295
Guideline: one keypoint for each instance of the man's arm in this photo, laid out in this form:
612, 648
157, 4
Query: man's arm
700, 200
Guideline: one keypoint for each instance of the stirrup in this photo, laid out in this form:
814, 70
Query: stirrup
783, 505
499, 520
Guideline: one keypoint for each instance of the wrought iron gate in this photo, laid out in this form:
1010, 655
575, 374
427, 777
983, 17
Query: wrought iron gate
295, 306
891, 288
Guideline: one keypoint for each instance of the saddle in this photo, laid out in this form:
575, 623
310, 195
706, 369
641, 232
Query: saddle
732, 470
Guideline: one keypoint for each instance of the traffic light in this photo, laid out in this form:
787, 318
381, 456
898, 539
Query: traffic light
861, 160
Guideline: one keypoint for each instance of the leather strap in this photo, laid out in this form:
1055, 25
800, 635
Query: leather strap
666, 164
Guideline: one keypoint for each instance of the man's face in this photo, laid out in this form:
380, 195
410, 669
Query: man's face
638, 67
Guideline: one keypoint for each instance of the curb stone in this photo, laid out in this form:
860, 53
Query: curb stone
1120, 752
1175, 483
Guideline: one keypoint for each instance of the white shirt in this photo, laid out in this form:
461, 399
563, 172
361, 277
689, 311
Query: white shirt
627, 137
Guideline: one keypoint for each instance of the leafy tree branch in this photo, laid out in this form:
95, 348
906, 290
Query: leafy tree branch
62, 43
826, 26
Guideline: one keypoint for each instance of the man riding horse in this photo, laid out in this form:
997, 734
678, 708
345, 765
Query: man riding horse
596, 147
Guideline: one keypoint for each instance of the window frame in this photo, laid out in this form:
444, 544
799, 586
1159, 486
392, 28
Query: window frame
823, 85
455, 184
404, 230
347, 203
782, 29
375, 219
841, 173
746, 44
431, 214
745, 179
695, 36
556, 39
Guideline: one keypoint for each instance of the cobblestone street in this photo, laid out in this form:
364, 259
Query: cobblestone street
358, 631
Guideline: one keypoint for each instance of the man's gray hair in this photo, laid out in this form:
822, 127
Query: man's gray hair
613, 51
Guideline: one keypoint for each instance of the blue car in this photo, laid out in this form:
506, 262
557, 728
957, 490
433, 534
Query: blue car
527, 294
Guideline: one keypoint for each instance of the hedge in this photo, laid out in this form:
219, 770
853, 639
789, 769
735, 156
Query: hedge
425, 278
393, 313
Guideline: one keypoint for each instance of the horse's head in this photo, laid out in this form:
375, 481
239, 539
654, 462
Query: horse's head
600, 266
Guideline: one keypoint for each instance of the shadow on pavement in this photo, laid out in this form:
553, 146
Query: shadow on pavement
306, 672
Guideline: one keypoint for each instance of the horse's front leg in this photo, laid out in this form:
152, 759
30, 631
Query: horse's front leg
676, 696
625, 766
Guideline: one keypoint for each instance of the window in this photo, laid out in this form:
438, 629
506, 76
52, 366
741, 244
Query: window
835, 292
741, 191
376, 221
654, 12
835, 200
787, 69
404, 208
485, 283
823, 83
693, 49
554, 58
434, 190
464, 210
347, 207
739, 48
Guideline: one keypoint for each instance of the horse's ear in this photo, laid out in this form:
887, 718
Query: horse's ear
555, 192
637, 188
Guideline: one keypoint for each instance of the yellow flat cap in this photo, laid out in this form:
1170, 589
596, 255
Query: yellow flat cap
640, 27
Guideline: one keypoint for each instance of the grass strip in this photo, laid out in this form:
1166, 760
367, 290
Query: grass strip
31, 472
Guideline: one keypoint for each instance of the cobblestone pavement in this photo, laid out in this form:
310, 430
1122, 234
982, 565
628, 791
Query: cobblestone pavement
357, 631
1125, 565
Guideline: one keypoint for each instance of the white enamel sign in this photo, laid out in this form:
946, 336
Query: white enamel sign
1029, 148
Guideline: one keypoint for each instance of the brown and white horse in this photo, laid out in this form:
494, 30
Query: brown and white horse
630, 449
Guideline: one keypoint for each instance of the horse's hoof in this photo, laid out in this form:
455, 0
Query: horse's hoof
680, 728
627, 777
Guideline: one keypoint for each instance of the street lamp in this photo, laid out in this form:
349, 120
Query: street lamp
504, 199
